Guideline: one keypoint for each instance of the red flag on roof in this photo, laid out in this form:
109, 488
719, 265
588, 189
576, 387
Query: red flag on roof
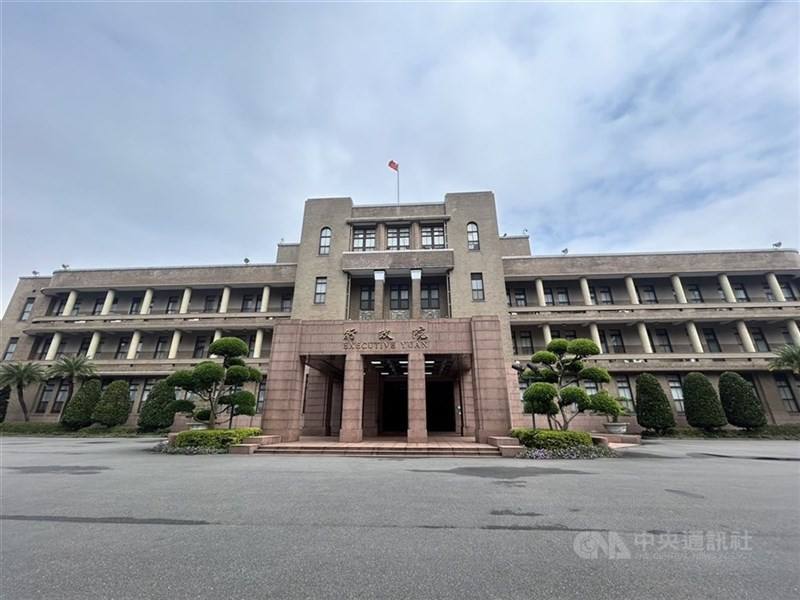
394, 165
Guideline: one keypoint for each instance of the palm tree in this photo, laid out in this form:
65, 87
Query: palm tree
786, 359
73, 369
19, 376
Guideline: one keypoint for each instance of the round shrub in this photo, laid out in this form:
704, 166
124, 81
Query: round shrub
653, 410
243, 401
557, 346
574, 395
739, 401
229, 347
182, 406
214, 438
544, 356
237, 375
157, 411
114, 406
78, 413
603, 403
701, 403
207, 374
538, 399
203, 415
596, 374
582, 347
183, 379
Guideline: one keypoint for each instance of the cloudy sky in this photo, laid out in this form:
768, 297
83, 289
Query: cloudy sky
162, 134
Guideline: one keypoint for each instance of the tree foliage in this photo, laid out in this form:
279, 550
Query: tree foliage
740, 403
74, 369
114, 406
19, 376
653, 410
78, 413
701, 403
158, 411
786, 359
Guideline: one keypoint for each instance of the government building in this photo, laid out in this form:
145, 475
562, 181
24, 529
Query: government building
405, 320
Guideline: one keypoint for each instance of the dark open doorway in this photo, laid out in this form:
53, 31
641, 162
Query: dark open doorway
394, 407
440, 406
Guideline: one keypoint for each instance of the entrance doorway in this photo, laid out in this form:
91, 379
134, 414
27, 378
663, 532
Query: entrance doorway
394, 407
440, 407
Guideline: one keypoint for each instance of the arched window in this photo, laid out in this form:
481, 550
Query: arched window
473, 240
325, 240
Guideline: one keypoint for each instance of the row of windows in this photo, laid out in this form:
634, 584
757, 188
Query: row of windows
399, 294
398, 237
211, 304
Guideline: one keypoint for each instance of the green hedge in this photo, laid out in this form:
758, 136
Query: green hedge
550, 439
114, 406
214, 438
739, 402
56, 429
653, 410
79, 410
701, 403
32, 428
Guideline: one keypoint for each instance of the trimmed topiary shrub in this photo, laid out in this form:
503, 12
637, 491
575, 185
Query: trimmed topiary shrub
158, 413
78, 412
701, 403
114, 406
551, 439
739, 402
653, 410
214, 438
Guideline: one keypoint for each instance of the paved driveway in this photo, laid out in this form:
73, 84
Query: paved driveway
88, 519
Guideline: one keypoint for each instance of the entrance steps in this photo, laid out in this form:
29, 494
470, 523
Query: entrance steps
332, 447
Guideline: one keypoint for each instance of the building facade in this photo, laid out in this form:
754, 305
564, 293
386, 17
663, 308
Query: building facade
406, 320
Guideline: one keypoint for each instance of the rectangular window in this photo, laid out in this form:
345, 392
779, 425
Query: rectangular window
548, 297
398, 238
11, 348
693, 294
477, 287
570, 334
83, 349
661, 341
172, 305
615, 341
604, 296
738, 339
429, 296
398, 297
133, 392
624, 393
508, 296
58, 310
162, 347
251, 344
200, 347
433, 236
555, 334
45, 397
786, 393
562, 296
211, 304
590, 387
603, 342
712, 343
524, 343
787, 290
122, 348
39, 350
363, 239
676, 390
320, 290
520, 297
647, 294
787, 338
740, 292
98, 306
367, 298
27, 309
261, 397
768, 293
248, 303
286, 303
759, 340
136, 306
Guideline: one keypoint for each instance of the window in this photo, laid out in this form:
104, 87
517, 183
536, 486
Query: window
548, 297
11, 348
367, 298
616, 344
433, 236
786, 393
603, 342
136, 306
787, 338
508, 296
98, 306
398, 297
647, 294
661, 341
712, 343
740, 292
59, 397
162, 346
320, 290
398, 237
477, 287
59, 307
693, 294
286, 303
146, 389
251, 344
363, 239
473, 239
45, 396
77, 308
172, 305
520, 297
562, 296
759, 340
601, 295
27, 309
39, 350
248, 303
624, 392
133, 391
122, 348
787, 290
676, 389
555, 334
570, 334
83, 349
738, 339
211, 304
429, 296
524, 343
200, 347
325, 241
262, 396
590, 387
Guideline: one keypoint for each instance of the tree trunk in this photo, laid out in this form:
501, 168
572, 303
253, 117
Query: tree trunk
22, 405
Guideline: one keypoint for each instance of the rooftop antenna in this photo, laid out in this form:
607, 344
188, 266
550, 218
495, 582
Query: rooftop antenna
565, 251
65, 267
777, 244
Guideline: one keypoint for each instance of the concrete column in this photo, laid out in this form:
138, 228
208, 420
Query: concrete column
107, 303
644, 338
595, 333
416, 292
587, 296
352, 399
694, 337
727, 290
265, 299
547, 335
176, 342
146, 302
380, 237
187, 298
217, 334
380, 278
415, 235
94, 344
135, 339
677, 287
52, 350
72, 298
633, 295
258, 343
417, 414
226, 297
775, 286
540, 292
794, 332
744, 334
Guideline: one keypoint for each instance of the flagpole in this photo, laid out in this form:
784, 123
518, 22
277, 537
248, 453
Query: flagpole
398, 185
